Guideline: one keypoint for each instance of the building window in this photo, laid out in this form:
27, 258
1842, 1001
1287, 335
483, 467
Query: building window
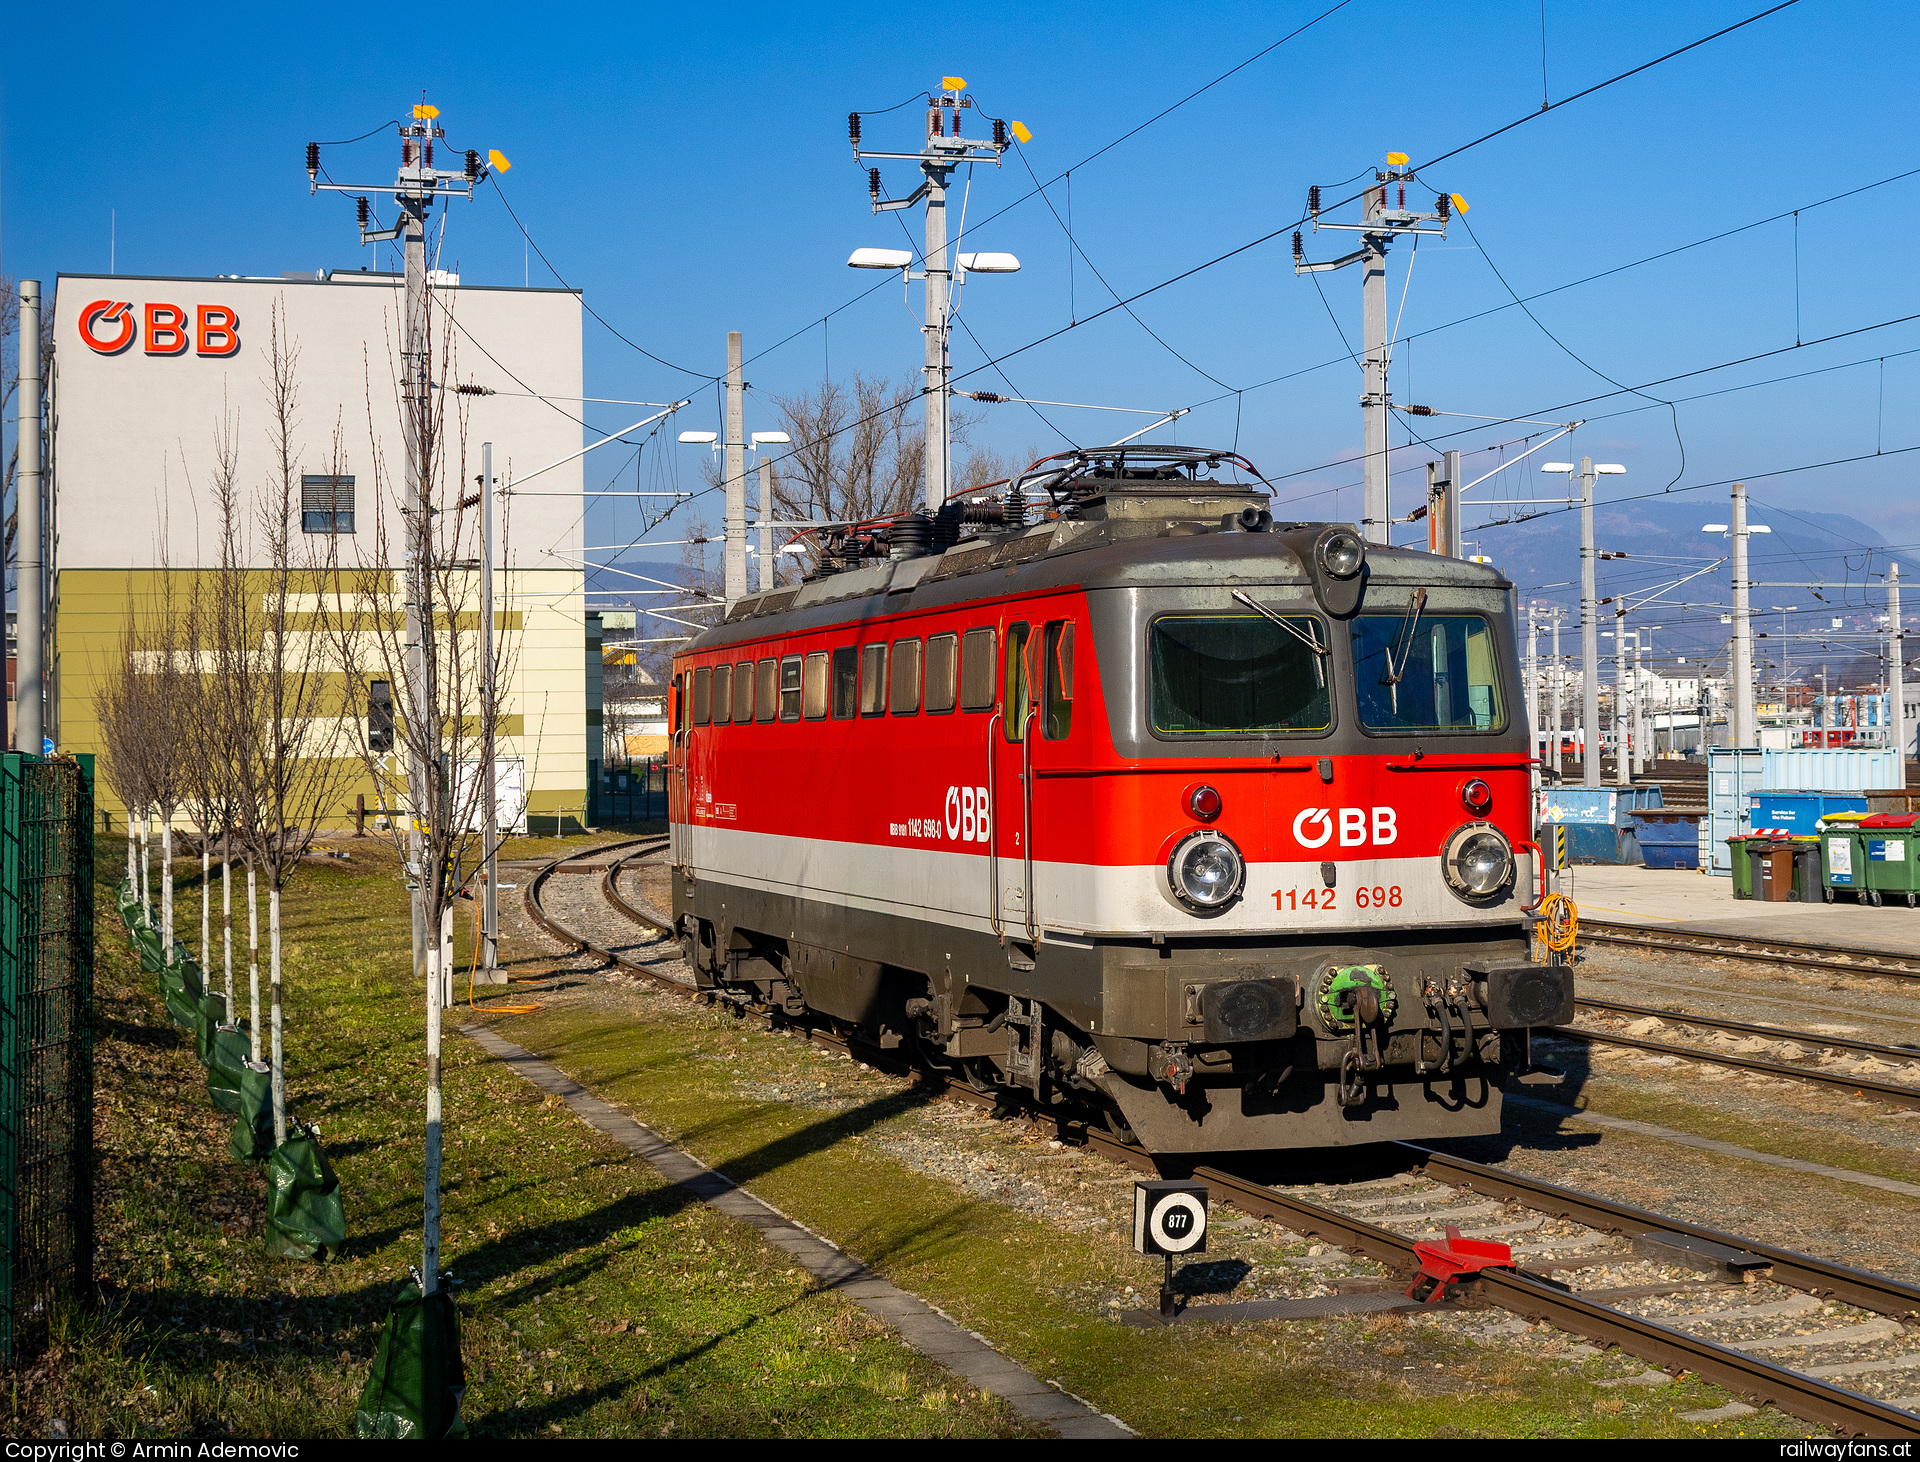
326, 503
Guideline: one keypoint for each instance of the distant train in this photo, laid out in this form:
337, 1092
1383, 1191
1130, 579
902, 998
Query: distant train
1212, 828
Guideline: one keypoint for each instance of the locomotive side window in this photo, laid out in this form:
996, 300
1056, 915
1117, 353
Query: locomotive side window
1235, 675
766, 687
943, 654
702, 694
679, 698
722, 694
905, 697
846, 665
873, 679
743, 692
1427, 672
1057, 709
813, 681
790, 688
1014, 684
976, 671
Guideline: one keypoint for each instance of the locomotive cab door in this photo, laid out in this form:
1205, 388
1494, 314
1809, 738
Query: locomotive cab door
1035, 717
1010, 832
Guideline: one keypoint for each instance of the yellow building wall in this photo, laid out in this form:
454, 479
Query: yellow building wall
543, 681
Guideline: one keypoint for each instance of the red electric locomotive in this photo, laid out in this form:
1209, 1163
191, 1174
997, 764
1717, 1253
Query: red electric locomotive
1213, 826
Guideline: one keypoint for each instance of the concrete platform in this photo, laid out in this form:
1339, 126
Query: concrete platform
1701, 904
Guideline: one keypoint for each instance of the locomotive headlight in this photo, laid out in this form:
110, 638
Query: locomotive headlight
1205, 871
1477, 861
1341, 554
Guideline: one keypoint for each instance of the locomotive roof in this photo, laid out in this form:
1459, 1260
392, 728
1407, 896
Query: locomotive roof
1162, 549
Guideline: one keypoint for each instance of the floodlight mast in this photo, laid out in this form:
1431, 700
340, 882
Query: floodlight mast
1380, 224
415, 188
944, 150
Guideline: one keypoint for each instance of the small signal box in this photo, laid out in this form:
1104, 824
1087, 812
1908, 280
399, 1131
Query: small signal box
1169, 1218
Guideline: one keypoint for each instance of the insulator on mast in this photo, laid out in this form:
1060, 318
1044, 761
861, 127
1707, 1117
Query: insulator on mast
473, 165
429, 154
999, 132
1313, 201
956, 121
361, 208
1299, 250
873, 183
853, 128
406, 153
933, 122
313, 158
1443, 205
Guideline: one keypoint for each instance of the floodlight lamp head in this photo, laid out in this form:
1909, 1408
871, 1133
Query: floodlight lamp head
1609, 469
990, 263
879, 259
1556, 466
1758, 528
700, 438
1713, 527
771, 438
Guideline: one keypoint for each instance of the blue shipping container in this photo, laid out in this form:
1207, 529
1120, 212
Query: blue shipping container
1799, 812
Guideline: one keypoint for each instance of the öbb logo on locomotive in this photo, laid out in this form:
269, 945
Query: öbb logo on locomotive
1222, 832
1354, 823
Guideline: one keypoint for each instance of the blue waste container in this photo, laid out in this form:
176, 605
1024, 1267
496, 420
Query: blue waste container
1799, 812
1668, 839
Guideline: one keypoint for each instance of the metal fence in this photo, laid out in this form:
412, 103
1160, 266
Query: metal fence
634, 795
46, 1044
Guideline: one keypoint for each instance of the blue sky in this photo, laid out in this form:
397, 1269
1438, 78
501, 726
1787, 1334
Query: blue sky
688, 168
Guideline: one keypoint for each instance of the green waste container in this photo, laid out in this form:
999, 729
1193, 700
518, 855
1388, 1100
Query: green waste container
1742, 865
1841, 862
1891, 843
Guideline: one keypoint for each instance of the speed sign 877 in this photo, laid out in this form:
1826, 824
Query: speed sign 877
1169, 1217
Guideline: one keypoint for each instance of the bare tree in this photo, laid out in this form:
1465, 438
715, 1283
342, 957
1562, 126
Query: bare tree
278, 705
443, 721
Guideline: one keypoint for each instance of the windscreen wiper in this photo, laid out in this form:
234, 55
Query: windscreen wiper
1310, 637
1402, 650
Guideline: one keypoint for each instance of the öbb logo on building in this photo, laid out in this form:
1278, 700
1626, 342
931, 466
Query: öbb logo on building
109, 327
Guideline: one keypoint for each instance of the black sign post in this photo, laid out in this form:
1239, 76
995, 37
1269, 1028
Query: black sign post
1169, 1219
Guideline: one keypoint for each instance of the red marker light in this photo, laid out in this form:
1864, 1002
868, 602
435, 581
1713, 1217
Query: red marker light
1477, 797
1204, 803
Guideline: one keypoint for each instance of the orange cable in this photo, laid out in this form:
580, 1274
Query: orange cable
474, 968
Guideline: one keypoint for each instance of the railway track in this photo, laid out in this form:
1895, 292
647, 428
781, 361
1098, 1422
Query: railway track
1895, 1093
1802, 954
1384, 1219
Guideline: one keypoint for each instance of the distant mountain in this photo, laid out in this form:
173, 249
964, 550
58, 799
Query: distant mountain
1662, 540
